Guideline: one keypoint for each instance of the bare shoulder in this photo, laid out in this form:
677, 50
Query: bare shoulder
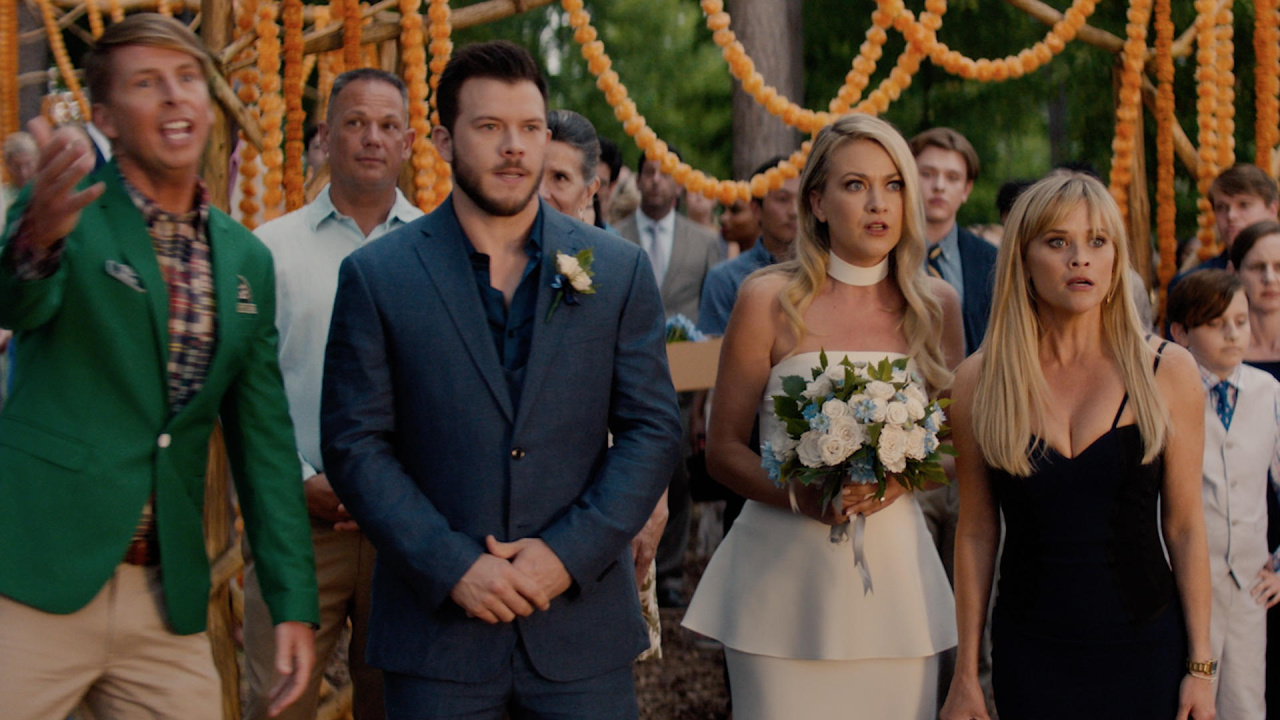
761, 290
1177, 365
967, 377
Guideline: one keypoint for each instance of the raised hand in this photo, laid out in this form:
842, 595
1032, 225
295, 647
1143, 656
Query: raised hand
66, 157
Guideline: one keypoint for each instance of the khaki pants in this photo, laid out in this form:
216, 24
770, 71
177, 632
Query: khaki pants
344, 572
116, 653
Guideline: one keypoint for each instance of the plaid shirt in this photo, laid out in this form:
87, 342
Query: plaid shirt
181, 242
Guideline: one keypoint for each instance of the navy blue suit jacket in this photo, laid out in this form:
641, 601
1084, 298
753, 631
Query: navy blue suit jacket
978, 260
423, 444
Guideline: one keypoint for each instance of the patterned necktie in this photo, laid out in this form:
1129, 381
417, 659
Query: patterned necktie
935, 260
1224, 402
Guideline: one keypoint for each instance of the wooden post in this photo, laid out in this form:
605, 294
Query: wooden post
216, 28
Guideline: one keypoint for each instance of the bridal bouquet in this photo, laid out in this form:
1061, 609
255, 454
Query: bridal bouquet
856, 422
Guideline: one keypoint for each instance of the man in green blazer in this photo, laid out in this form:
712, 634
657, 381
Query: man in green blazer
143, 316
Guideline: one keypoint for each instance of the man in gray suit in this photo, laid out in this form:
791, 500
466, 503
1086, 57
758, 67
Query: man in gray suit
681, 252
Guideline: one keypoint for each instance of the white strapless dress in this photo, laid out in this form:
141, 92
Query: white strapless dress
802, 637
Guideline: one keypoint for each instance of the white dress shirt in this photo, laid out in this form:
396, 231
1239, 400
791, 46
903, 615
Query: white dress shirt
308, 245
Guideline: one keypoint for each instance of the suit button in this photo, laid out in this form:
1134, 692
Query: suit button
163, 441
517, 453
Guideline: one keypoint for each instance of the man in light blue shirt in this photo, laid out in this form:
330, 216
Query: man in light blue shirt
777, 214
368, 139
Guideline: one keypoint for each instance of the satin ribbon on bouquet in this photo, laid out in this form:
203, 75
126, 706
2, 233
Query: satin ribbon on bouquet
840, 534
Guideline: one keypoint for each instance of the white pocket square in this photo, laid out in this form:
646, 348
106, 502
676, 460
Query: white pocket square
124, 274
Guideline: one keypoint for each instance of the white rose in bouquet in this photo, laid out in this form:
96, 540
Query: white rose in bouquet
580, 281
809, 450
878, 390
892, 448
821, 387
878, 409
836, 373
916, 449
782, 444
835, 450
835, 409
915, 409
897, 414
849, 432
567, 265
913, 392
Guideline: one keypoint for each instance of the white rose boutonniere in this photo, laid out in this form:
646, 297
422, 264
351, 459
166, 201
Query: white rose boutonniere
573, 278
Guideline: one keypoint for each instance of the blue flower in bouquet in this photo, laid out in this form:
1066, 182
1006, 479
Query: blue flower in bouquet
862, 469
770, 462
682, 329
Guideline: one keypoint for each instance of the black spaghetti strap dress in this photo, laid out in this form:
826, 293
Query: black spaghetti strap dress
1087, 622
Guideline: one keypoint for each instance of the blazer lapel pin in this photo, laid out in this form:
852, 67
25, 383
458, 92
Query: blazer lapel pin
244, 297
124, 274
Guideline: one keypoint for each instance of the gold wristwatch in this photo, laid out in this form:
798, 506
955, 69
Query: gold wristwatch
1206, 667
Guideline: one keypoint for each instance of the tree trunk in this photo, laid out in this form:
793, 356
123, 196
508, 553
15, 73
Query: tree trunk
771, 32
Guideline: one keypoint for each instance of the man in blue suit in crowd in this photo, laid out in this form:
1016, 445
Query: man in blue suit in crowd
478, 360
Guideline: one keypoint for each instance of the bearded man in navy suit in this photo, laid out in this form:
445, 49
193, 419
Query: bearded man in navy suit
478, 360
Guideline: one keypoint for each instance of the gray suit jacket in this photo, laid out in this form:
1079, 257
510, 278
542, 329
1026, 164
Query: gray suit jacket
695, 251
430, 453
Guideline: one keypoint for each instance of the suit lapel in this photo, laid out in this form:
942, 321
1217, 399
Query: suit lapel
226, 287
681, 258
451, 275
129, 230
558, 235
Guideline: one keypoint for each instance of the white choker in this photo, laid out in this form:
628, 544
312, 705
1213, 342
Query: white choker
850, 274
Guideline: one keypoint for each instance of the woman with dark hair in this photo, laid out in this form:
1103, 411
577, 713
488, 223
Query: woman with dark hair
569, 180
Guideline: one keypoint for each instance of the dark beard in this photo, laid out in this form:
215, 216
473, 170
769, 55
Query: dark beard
467, 181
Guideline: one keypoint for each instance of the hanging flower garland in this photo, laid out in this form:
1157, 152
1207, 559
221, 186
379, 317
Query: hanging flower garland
63, 61
117, 12
325, 72
246, 12
1166, 209
908, 63
1206, 120
95, 18
413, 57
1226, 109
1130, 101
271, 105
9, 119
1266, 73
856, 80
162, 7
295, 116
999, 69
351, 31
441, 48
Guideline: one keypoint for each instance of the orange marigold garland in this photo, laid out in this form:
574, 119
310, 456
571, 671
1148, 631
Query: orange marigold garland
117, 12
95, 18
1132, 58
162, 7
271, 105
351, 31
246, 12
413, 57
1226, 110
9, 119
1166, 209
1206, 119
441, 48
295, 116
1266, 49
856, 80
63, 61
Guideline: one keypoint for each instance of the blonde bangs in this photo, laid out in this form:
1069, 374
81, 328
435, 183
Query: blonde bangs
1011, 392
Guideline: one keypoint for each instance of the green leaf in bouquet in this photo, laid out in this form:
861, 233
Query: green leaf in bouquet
796, 426
883, 371
948, 449
822, 359
794, 386
873, 433
899, 364
786, 407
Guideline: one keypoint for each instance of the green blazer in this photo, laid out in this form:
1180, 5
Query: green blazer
86, 434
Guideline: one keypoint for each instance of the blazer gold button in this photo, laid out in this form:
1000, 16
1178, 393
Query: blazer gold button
164, 440
517, 453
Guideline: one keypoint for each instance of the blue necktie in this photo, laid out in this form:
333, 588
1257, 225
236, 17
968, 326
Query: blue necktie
1224, 403
935, 261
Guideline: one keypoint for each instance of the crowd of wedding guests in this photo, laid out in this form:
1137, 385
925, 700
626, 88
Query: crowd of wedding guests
456, 433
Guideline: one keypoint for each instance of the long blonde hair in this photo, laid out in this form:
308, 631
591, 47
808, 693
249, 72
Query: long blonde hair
922, 320
1012, 395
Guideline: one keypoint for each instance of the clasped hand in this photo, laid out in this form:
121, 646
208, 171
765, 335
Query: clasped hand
511, 579
854, 500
